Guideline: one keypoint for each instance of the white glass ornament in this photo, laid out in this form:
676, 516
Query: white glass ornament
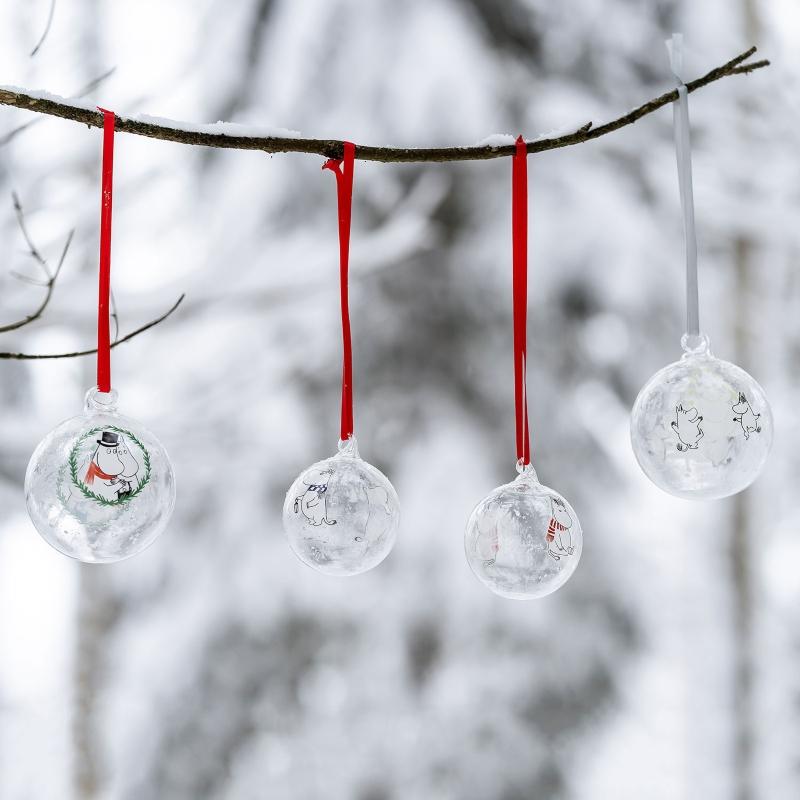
524, 540
100, 487
701, 427
341, 515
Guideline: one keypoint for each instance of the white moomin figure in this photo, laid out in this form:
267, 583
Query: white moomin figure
487, 544
558, 531
312, 502
687, 428
112, 469
745, 417
379, 515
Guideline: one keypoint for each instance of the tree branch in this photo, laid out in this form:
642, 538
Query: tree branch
88, 89
210, 135
127, 338
51, 278
46, 30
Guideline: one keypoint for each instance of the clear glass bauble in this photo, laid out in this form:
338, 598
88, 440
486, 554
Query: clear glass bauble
100, 487
341, 515
524, 540
701, 428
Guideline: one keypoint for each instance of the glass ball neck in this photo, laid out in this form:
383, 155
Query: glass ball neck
527, 474
97, 402
695, 344
348, 448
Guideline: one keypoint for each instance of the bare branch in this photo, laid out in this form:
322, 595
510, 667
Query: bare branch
743, 70
94, 83
49, 283
127, 338
37, 256
331, 148
63, 255
14, 132
185, 133
114, 314
46, 30
27, 279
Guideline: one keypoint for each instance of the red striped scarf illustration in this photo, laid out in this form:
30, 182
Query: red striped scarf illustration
95, 472
553, 527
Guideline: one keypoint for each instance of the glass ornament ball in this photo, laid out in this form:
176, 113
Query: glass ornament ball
100, 487
524, 540
341, 515
701, 428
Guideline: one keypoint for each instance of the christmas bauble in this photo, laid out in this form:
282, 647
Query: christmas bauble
100, 486
341, 514
701, 427
524, 540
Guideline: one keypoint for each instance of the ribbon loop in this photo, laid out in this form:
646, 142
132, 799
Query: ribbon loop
519, 226
343, 170
683, 154
103, 322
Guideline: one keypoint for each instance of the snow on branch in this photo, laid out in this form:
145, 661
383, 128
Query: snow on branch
272, 140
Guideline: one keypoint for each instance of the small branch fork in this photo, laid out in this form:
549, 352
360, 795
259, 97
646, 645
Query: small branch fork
333, 148
48, 284
50, 279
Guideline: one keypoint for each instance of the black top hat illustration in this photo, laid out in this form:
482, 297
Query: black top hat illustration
108, 439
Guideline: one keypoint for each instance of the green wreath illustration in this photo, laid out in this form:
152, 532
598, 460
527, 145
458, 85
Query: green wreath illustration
90, 495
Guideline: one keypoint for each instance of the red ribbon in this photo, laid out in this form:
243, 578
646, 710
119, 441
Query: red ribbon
519, 226
343, 169
103, 325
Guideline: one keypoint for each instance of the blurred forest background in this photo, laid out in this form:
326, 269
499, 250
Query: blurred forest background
216, 665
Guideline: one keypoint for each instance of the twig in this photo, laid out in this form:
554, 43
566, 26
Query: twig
50, 283
127, 338
37, 256
114, 314
46, 28
332, 148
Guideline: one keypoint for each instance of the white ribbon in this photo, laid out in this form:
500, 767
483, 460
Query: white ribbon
683, 153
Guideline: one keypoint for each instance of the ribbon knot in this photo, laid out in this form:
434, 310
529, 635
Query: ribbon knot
334, 165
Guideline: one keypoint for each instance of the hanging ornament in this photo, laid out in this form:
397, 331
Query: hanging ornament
701, 427
100, 486
524, 540
341, 514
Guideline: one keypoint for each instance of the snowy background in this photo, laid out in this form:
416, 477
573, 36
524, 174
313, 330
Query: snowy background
216, 665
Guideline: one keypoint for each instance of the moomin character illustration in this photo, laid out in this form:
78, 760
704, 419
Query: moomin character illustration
558, 531
746, 417
488, 544
380, 513
313, 502
113, 467
687, 428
